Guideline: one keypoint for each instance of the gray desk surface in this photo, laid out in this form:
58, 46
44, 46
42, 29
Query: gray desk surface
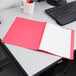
31, 61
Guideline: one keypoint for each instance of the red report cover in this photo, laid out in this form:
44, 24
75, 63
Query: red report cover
44, 36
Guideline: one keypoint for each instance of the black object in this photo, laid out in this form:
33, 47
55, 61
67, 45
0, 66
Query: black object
63, 14
57, 2
3, 58
8, 64
40, 0
75, 55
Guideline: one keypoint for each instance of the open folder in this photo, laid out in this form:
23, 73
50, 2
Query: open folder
41, 36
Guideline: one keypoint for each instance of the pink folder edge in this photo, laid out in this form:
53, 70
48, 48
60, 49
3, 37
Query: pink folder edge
72, 45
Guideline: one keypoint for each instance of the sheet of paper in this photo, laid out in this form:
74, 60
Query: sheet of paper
58, 40
25, 33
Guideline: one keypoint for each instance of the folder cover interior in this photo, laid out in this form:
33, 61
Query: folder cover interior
41, 36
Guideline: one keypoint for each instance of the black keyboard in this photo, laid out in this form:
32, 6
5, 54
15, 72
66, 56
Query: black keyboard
63, 14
